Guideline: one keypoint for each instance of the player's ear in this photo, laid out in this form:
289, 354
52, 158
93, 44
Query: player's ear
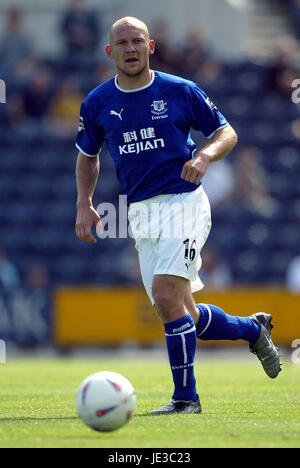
108, 51
151, 47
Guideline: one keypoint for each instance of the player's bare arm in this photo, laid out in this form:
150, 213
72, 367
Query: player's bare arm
87, 172
222, 142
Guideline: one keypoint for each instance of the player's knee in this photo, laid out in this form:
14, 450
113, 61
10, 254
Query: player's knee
163, 298
163, 288
168, 299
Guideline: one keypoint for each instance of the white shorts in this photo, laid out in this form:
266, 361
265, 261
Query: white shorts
170, 232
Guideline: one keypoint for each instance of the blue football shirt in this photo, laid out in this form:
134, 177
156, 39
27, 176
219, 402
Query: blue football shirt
147, 131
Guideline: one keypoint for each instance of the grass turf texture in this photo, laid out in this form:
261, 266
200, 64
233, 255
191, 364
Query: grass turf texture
241, 406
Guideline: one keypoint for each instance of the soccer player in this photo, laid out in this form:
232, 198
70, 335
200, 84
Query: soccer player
145, 117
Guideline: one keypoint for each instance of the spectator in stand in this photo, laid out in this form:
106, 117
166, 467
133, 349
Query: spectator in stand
251, 184
293, 275
37, 278
295, 129
17, 125
38, 93
81, 30
9, 275
215, 273
64, 108
102, 73
15, 116
209, 72
193, 54
282, 72
31, 308
218, 183
294, 8
15, 44
165, 57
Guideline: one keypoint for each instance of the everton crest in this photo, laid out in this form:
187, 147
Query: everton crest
159, 108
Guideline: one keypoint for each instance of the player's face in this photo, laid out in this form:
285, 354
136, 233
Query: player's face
130, 49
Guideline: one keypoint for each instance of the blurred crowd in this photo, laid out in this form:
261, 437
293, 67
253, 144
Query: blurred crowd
253, 192
293, 7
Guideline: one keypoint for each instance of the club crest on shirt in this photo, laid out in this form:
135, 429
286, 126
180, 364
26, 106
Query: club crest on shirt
159, 109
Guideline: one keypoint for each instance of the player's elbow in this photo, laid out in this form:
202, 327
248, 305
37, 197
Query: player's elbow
233, 138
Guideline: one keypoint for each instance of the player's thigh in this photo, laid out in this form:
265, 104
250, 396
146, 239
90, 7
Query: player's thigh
183, 236
147, 259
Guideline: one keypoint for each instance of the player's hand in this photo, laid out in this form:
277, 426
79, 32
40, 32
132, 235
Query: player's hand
194, 169
86, 217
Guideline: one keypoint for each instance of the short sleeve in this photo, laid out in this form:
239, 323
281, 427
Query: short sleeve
207, 118
89, 137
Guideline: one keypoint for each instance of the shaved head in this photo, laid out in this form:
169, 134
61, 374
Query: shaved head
128, 21
130, 48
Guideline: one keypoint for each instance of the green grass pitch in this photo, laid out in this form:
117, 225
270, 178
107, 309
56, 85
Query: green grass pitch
241, 406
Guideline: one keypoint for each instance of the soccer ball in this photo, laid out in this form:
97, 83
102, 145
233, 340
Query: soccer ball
105, 401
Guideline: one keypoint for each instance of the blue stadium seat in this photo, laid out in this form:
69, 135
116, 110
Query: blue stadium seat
238, 107
289, 236
23, 214
7, 186
288, 159
248, 267
261, 237
70, 269
12, 160
278, 263
264, 132
281, 187
249, 82
274, 108
15, 240
48, 241
58, 213
65, 186
34, 187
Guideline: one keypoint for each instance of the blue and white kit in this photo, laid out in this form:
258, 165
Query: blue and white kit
148, 135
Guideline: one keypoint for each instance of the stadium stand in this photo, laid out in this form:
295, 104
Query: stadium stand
257, 236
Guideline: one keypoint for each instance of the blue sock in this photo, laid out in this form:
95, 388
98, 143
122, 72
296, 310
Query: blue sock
215, 324
181, 343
